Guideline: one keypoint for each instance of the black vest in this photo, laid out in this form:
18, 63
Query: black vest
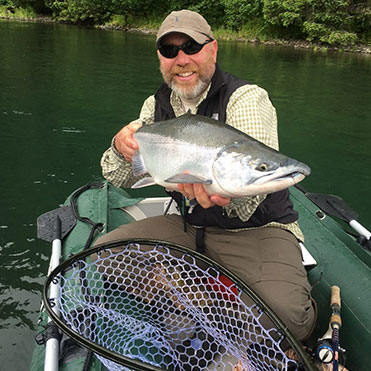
277, 206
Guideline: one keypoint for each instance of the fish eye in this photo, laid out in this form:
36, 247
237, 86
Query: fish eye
262, 167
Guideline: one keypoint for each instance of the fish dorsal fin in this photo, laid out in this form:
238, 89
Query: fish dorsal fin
145, 182
188, 178
138, 165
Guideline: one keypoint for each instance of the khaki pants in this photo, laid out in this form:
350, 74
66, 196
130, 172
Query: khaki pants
268, 260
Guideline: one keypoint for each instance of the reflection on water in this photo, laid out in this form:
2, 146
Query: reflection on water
65, 91
324, 112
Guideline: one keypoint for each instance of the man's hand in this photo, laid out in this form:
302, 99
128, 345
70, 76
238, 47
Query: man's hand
239, 367
125, 142
197, 191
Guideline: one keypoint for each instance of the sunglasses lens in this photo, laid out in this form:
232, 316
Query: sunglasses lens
169, 51
190, 48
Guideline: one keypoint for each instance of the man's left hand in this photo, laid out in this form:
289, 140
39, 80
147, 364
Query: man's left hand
197, 191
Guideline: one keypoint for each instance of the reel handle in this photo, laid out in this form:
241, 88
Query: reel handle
324, 351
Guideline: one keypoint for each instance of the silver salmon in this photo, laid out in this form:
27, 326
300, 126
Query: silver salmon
198, 149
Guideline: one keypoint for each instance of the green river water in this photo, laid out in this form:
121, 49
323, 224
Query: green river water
65, 91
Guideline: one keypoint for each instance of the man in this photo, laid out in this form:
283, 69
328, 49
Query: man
254, 237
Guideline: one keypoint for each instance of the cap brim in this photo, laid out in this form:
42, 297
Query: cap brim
197, 36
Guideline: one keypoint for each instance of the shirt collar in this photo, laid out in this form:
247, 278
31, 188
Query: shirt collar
177, 104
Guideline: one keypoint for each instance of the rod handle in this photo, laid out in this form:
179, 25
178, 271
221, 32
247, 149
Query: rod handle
335, 320
335, 296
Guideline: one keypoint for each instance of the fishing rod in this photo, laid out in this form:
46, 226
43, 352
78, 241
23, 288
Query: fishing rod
335, 323
328, 349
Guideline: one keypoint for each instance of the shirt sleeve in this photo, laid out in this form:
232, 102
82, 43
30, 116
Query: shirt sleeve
114, 166
250, 110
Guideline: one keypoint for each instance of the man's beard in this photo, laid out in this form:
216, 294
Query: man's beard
189, 91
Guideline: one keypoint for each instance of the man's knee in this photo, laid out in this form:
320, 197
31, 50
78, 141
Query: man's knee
293, 305
299, 319
163, 227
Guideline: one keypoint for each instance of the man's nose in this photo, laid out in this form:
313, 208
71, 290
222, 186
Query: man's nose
182, 58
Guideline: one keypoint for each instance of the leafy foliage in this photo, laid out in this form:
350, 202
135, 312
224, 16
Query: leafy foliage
332, 22
240, 12
138, 8
284, 13
38, 6
6, 3
212, 10
85, 12
360, 12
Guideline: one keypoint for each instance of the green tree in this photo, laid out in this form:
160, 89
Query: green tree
84, 12
360, 12
239, 12
6, 3
38, 6
334, 22
284, 13
329, 21
139, 8
212, 10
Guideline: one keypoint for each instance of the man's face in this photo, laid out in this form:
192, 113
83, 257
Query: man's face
188, 75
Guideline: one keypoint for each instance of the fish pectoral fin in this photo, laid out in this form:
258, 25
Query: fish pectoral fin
138, 166
188, 178
145, 182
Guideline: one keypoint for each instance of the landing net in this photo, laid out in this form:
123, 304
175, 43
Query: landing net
146, 305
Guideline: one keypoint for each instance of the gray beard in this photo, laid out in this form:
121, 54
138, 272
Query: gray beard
193, 93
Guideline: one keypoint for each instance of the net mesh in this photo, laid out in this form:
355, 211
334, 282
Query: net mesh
166, 309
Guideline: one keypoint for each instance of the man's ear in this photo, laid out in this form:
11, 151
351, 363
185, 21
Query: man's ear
215, 49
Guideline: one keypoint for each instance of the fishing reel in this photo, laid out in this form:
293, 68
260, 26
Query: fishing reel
327, 348
324, 352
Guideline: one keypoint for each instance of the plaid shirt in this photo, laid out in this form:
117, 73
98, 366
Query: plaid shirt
249, 109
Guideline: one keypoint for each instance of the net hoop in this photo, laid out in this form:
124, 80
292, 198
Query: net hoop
305, 362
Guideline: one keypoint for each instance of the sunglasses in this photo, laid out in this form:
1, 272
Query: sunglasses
190, 47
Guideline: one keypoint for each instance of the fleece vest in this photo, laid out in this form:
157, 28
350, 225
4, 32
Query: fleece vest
277, 206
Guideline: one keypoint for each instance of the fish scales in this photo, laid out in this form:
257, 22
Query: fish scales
199, 130
197, 149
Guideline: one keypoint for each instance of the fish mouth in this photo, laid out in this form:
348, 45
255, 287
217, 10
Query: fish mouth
296, 177
289, 176
269, 184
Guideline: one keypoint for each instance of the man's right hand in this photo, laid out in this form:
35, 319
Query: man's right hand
125, 142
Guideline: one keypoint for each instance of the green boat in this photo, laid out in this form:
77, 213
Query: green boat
334, 254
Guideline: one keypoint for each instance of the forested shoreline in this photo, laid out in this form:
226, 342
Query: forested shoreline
334, 24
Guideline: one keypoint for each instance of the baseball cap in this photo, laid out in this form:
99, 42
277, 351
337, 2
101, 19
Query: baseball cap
187, 22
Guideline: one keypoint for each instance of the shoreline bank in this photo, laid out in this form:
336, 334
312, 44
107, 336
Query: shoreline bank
297, 44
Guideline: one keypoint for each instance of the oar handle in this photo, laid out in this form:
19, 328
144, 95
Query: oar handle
335, 320
360, 229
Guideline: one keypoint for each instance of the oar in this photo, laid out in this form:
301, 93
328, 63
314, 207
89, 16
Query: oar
52, 227
336, 206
